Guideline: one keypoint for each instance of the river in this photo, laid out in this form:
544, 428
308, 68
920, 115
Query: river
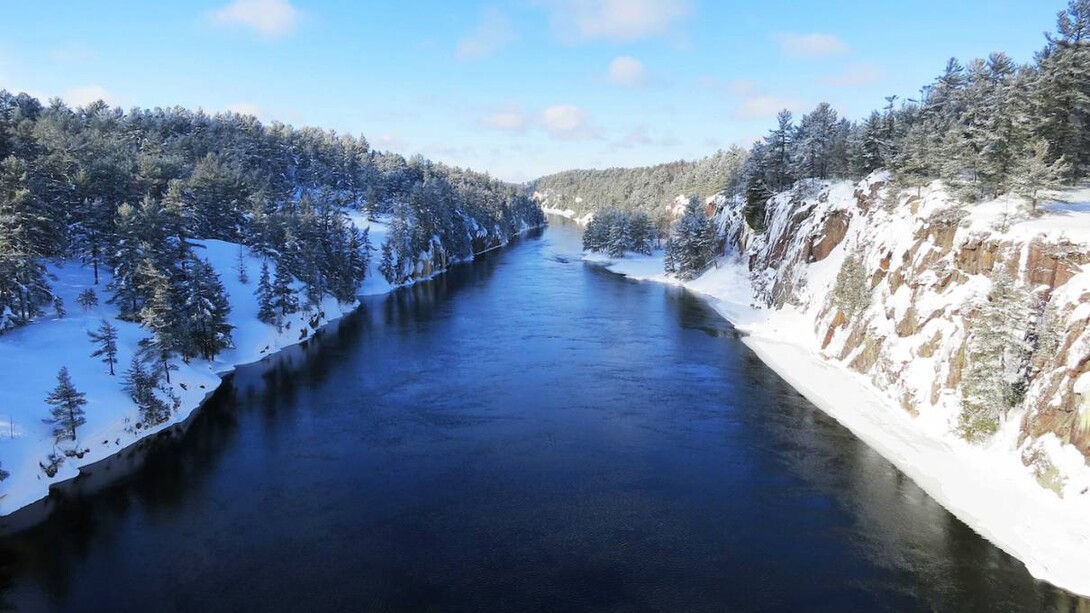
526, 432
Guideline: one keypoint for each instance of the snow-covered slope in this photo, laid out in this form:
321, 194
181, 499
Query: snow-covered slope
891, 368
31, 356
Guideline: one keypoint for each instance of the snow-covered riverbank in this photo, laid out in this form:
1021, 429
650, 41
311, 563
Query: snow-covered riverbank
31, 356
988, 487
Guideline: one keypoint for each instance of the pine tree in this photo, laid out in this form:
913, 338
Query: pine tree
206, 306
994, 355
67, 407
284, 300
240, 266
386, 265
266, 312
1035, 172
26, 234
691, 250
143, 386
87, 299
106, 341
619, 239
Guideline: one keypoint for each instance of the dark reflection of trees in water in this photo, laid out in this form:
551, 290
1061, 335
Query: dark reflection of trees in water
161, 473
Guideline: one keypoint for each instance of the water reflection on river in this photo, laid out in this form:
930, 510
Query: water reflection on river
526, 432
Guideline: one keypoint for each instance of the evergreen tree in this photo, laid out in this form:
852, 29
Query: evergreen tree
266, 312
67, 405
1035, 173
87, 299
240, 266
284, 300
26, 234
691, 249
105, 339
994, 356
206, 307
386, 265
143, 386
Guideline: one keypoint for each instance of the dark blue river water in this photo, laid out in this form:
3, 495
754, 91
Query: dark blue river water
527, 432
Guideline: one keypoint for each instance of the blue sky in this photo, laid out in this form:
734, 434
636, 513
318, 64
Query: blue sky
518, 89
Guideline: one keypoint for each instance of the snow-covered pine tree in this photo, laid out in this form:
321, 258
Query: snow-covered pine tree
691, 249
161, 313
240, 266
386, 265
642, 233
105, 339
266, 312
67, 405
994, 354
1034, 172
26, 234
143, 386
1061, 90
87, 299
207, 308
619, 239
284, 300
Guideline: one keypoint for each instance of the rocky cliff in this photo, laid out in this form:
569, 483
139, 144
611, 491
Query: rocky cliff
904, 287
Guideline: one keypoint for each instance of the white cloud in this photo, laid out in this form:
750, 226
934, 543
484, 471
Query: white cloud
764, 106
270, 18
856, 75
491, 34
742, 87
246, 108
508, 119
626, 71
616, 20
640, 136
388, 142
810, 46
567, 122
737, 87
82, 96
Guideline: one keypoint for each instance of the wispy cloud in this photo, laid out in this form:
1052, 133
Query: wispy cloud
389, 142
247, 108
856, 75
86, 94
626, 71
736, 87
765, 106
509, 118
641, 136
492, 33
619, 21
269, 18
810, 46
568, 122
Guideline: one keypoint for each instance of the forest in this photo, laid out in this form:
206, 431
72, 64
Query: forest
987, 127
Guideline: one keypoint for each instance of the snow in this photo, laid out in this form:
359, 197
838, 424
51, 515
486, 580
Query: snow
987, 487
31, 356
569, 214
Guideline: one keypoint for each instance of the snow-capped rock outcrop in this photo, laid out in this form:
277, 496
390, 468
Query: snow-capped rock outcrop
892, 283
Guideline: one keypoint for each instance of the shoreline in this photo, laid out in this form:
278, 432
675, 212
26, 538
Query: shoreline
12, 520
1001, 502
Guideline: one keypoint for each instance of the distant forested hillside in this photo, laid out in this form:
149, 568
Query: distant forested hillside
650, 189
